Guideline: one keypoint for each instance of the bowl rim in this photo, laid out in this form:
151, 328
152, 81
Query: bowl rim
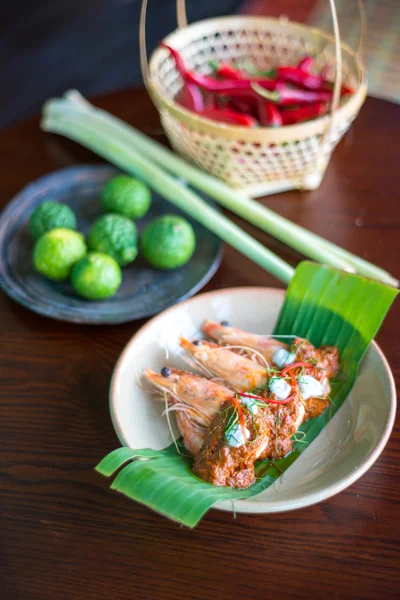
268, 134
248, 506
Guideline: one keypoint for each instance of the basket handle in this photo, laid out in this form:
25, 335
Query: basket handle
144, 63
337, 86
182, 23
363, 32
181, 16
338, 52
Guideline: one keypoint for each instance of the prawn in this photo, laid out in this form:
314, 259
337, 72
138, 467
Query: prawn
230, 336
192, 433
239, 372
193, 394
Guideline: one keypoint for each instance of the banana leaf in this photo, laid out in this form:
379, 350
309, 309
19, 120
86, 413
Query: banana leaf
321, 304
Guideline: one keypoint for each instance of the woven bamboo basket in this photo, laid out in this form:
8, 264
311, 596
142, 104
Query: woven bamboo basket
263, 160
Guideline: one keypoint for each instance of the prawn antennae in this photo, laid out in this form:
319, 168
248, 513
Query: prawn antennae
197, 366
169, 424
249, 350
189, 410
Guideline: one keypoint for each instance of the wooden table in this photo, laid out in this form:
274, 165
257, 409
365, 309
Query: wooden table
67, 536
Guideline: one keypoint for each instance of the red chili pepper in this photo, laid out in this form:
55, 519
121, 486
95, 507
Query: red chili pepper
233, 92
210, 101
294, 365
226, 71
303, 113
190, 97
285, 95
308, 80
229, 72
180, 65
243, 106
269, 114
210, 84
225, 115
246, 101
306, 63
288, 399
243, 101
301, 77
255, 396
249, 102
347, 90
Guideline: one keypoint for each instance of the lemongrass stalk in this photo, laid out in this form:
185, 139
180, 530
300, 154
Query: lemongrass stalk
259, 215
283, 229
293, 235
198, 178
130, 161
246, 208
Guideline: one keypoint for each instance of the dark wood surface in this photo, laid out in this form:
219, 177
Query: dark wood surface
66, 536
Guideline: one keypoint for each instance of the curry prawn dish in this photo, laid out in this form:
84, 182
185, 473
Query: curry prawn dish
250, 397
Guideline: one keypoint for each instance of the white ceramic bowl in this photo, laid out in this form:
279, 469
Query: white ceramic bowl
343, 451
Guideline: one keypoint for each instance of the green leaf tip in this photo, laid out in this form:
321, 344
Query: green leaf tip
320, 297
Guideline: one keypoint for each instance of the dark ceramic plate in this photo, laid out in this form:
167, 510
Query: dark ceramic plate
144, 291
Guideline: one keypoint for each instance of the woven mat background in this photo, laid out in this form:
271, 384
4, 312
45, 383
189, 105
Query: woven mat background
382, 49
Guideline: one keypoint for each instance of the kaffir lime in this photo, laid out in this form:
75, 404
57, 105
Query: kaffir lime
51, 215
126, 196
115, 235
57, 251
97, 276
168, 242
